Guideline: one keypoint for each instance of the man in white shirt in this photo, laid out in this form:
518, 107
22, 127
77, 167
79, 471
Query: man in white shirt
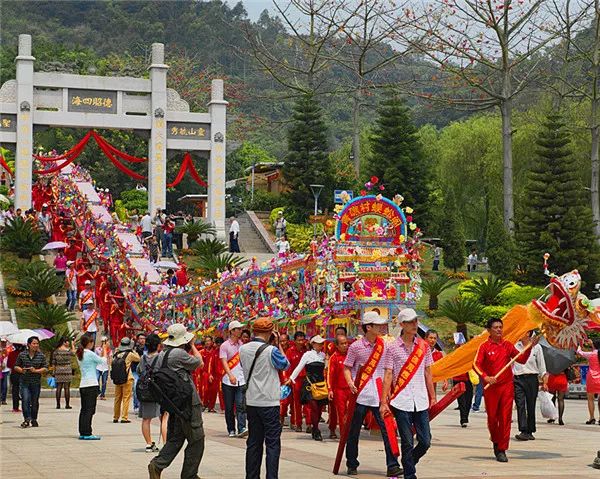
86, 297
409, 386
146, 224
234, 234
88, 323
526, 380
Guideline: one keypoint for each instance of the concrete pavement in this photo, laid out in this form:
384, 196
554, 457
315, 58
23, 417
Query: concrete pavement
53, 450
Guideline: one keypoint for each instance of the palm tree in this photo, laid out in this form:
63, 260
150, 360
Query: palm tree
435, 286
48, 316
41, 285
487, 289
462, 310
215, 263
195, 230
209, 247
20, 237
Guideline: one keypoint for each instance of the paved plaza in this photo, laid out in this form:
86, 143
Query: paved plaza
53, 450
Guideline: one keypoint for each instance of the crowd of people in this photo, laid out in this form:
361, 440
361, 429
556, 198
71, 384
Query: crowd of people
262, 378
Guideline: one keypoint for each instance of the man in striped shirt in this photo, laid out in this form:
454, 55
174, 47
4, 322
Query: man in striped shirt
413, 394
359, 355
31, 363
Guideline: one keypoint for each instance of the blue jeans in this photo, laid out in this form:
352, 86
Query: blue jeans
478, 396
234, 395
263, 427
102, 383
406, 420
4, 386
71, 300
167, 246
355, 426
136, 403
30, 395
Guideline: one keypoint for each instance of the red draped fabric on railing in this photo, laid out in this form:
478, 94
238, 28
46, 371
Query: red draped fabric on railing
187, 165
117, 163
119, 153
113, 154
70, 156
67, 154
4, 165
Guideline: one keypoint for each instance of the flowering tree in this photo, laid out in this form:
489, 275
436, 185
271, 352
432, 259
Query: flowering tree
579, 26
487, 53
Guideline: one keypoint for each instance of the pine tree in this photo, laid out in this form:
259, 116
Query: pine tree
500, 247
307, 161
397, 158
453, 239
556, 217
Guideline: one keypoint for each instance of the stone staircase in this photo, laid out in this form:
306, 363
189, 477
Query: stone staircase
250, 240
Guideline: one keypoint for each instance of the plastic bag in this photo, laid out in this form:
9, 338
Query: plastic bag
473, 377
548, 409
51, 380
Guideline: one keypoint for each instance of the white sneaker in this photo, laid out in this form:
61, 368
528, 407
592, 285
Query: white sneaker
232, 434
242, 433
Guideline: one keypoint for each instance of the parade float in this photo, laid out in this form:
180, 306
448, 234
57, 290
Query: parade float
375, 262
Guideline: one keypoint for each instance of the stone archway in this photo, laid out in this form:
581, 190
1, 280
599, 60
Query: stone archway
88, 101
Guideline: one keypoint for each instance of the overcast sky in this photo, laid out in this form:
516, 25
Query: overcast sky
254, 7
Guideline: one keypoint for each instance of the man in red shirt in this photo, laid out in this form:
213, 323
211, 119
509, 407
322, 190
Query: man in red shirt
339, 391
294, 354
431, 336
491, 357
181, 275
210, 377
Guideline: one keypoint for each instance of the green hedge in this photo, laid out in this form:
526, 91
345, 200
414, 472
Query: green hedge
495, 312
263, 201
300, 236
516, 294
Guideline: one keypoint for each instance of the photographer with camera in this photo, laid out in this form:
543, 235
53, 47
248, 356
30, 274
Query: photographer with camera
180, 358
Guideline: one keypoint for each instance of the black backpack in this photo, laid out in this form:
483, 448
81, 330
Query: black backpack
172, 391
143, 389
119, 372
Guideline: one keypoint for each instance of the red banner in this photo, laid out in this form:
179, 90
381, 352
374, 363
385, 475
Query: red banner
121, 154
187, 165
4, 165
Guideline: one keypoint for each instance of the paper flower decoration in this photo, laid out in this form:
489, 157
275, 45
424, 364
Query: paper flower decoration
363, 193
408, 210
374, 180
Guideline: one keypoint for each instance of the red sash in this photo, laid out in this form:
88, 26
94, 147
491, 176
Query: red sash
87, 296
90, 320
234, 361
410, 367
369, 368
71, 274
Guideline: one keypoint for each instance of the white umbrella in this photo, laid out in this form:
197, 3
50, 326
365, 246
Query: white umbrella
7, 327
55, 245
23, 335
167, 265
4, 199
